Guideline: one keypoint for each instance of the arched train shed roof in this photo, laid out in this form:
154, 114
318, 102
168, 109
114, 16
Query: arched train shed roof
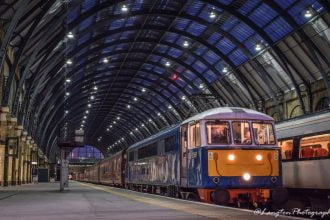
141, 65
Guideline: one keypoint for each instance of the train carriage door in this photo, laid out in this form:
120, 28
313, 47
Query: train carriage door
184, 156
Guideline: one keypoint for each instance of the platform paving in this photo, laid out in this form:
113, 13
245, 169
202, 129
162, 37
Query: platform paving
43, 201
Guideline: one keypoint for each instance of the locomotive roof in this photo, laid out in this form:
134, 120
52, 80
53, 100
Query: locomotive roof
229, 113
152, 138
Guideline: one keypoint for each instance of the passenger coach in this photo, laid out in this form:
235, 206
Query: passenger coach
305, 144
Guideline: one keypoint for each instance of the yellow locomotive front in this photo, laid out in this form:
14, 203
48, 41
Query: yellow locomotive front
238, 161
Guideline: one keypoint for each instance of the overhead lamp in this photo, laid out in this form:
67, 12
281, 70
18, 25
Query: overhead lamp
186, 44
225, 70
158, 114
142, 125
143, 89
85, 117
67, 93
66, 111
122, 138
150, 120
114, 122
308, 14
105, 60
95, 88
70, 35
124, 8
87, 111
110, 126
131, 133
136, 129
128, 106
212, 14
118, 118
201, 86
69, 62
258, 47
108, 129
68, 80
170, 107
167, 64
89, 105
183, 97
83, 122
135, 99
92, 97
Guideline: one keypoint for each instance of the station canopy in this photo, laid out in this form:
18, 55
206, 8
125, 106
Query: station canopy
123, 70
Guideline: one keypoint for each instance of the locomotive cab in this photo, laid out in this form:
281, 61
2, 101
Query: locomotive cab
232, 158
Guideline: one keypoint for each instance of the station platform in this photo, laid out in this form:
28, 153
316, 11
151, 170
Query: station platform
89, 201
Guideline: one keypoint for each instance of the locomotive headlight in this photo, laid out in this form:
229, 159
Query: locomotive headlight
259, 157
246, 176
231, 157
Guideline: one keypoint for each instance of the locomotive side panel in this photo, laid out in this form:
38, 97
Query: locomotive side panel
155, 163
157, 170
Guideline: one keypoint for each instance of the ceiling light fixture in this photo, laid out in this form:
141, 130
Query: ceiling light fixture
124, 8
308, 14
70, 35
258, 47
212, 14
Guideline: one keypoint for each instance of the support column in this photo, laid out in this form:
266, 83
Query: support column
23, 157
3, 134
4, 148
29, 159
19, 130
12, 145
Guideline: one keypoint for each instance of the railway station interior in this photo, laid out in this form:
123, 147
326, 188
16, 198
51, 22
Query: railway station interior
164, 109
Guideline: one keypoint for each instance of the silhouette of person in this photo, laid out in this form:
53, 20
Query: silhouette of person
218, 135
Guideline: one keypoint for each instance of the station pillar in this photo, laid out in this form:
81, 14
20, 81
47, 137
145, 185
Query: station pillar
3, 134
29, 159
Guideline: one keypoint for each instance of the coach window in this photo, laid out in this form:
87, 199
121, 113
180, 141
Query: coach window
286, 148
241, 132
263, 133
194, 135
218, 132
314, 146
